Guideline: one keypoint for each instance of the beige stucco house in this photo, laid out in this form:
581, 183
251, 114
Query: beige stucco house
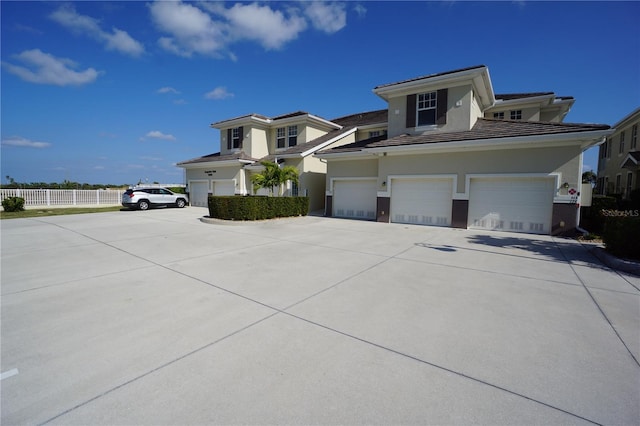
245, 141
455, 154
619, 159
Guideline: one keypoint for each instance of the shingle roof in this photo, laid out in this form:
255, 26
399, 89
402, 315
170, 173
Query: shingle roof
262, 117
510, 96
484, 128
430, 76
292, 114
218, 157
298, 149
363, 118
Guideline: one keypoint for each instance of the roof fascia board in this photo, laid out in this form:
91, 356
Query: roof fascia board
304, 118
236, 122
226, 163
583, 139
533, 100
329, 142
351, 155
626, 119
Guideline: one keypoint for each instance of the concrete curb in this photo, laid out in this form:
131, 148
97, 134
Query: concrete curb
214, 221
629, 266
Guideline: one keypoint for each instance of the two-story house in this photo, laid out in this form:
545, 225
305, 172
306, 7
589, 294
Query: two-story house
619, 159
458, 155
245, 141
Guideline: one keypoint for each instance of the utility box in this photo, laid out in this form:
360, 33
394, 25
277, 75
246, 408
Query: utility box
586, 195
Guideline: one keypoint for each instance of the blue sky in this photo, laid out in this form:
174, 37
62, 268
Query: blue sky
118, 92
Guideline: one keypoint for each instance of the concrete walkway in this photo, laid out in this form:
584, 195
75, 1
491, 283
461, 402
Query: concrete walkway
156, 318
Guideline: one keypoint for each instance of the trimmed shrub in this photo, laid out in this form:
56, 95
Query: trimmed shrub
177, 189
13, 204
621, 235
256, 207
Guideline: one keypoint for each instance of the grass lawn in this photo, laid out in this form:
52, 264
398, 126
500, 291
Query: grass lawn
40, 212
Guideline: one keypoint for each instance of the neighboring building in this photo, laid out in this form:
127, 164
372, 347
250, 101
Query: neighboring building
447, 160
245, 141
619, 159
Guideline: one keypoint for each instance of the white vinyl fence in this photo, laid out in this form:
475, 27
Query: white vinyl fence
65, 197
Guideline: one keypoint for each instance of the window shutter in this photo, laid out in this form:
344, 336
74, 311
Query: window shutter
241, 134
411, 110
228, 139
441, 109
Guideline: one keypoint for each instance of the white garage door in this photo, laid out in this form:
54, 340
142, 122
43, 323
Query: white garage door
355, 199
421, 201
224, 187
198, 193
515, 205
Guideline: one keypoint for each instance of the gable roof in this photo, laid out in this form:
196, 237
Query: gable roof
424, 77
311, 146
484, 128
379, 116
631, 161
239, 157
510, 96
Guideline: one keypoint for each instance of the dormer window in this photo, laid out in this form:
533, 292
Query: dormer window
498, 115
234, 138
427, 109
516, 114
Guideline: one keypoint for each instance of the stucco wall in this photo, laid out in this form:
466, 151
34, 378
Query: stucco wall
218, 173
255, 143
351, 168
538, 160
459, 117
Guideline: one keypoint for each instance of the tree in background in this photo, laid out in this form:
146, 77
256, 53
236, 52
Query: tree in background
274, 176
589, 177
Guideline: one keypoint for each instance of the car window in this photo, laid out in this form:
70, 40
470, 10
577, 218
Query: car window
165, 192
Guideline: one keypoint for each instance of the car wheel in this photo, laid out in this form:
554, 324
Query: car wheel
143, 205
180, 203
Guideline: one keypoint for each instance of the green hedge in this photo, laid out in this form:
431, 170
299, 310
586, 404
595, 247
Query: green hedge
13, 204
256, 207
622, 233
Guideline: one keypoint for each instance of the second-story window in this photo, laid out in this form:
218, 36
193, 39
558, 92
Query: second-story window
516, 114
280, 137
621, 149
498, 115
427, 109
634, 136
235, 137
293, 135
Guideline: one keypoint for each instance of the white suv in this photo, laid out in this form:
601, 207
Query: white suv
145, 198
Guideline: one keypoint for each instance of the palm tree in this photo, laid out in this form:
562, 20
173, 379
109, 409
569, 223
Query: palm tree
274, 176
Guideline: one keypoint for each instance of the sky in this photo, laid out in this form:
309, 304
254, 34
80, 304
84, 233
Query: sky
119, 92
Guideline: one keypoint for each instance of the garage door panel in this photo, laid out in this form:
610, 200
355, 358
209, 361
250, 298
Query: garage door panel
224, 187
355, 199
517, 205
198, 193
421, 201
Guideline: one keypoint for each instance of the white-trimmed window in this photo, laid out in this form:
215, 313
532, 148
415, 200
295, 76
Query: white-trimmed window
427, 103
609, 145
629, 184
498, 115
618, 183
621, 150
293, 135
605, 188
281, 137
634, 136
516, 114
235, 137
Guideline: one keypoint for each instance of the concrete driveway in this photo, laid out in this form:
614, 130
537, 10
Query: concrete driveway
157, 318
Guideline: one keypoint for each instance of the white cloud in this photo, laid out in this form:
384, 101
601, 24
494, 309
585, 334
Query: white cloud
219, 93
23, 142
209, 28
47, 69
190, 29
268, 27
360, 10
117, 40
327, 17
156, 134
167, 90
